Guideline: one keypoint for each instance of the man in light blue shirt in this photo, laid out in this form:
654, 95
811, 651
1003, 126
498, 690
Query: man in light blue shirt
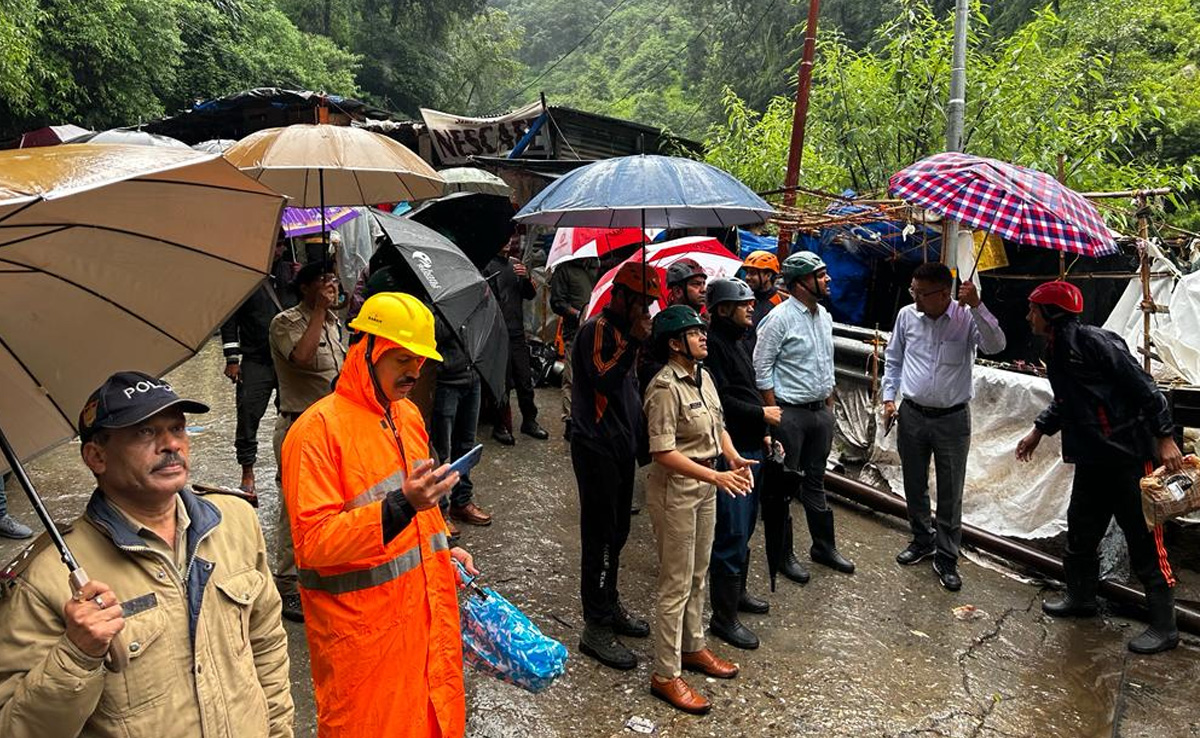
929, 360
793, 368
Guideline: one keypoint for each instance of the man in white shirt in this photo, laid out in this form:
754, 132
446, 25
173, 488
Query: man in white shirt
929, 361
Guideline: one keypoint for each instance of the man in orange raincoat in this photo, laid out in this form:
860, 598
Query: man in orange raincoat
376, 577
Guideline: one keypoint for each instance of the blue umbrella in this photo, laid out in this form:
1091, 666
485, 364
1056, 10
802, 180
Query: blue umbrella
646, 190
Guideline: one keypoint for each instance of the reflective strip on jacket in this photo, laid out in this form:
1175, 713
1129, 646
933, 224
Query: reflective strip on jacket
381, 619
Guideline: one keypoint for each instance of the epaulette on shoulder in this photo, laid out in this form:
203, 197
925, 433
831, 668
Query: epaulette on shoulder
22, 561
217, 489
662, 380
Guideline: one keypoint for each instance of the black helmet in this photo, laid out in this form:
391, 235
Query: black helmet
727, 290
683, 270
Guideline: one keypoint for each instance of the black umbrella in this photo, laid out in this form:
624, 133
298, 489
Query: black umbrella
779, 485
458, 292
479, 224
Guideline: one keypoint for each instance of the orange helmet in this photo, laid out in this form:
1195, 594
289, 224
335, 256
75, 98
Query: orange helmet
1059, 294
639, 279
762, 260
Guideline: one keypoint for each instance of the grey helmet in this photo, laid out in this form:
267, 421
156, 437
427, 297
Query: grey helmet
683, 270
729, 289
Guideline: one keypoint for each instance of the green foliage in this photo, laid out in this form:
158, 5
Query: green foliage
105, 63
1109, 86
402, 44
483, 62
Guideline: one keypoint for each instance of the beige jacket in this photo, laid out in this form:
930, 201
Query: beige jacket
208, 660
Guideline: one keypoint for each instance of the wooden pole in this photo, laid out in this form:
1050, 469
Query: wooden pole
1062, 179
799, 120
1147, 299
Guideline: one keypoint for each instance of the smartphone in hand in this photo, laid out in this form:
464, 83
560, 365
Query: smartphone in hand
466, 462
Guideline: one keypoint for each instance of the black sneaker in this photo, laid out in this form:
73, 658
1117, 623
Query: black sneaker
599, 642
914, 554
533, 430
948, 576
292, 609
629, 625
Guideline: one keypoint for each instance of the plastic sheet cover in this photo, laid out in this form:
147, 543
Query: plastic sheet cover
1001, 495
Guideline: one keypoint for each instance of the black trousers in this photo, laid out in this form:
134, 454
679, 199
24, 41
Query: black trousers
520, 378
1100, 492
253, 393
807, 438
605, 483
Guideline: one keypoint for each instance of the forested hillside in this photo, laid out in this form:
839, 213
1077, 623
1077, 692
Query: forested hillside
1108, 85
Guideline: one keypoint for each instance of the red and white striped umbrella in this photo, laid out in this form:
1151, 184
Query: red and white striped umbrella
582, 243
713, 258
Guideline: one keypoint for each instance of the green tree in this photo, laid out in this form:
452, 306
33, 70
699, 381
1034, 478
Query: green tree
1097, 84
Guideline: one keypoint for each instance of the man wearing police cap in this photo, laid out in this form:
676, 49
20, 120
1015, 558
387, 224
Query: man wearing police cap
182, 577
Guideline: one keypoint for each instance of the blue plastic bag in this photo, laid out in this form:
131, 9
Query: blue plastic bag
499, 640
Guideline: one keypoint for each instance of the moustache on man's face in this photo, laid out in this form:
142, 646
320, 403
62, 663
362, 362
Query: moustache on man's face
170, 459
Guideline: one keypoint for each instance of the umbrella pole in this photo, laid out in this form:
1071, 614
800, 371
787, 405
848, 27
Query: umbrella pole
117, 658
324, 236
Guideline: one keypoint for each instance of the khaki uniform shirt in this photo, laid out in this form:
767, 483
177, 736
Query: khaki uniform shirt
175, 554
301, 386
683, 417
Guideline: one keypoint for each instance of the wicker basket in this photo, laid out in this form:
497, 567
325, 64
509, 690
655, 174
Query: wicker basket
1166, 495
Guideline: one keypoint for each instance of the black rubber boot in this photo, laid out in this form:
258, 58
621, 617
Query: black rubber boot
1082, 575
599, 642
824, 549
725, 624
1162, 635
792, 568
748, 602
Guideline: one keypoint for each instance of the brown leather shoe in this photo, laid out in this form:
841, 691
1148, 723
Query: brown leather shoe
708, 663
678, 694
471, 514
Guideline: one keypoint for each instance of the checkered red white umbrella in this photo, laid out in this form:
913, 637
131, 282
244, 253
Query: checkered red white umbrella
713, 258
1019, 204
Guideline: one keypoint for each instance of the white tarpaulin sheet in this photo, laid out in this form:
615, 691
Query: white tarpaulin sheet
1001, 495
1175, 335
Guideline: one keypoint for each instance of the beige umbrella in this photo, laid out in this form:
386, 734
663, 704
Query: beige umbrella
471, 179
319, 165
112, 258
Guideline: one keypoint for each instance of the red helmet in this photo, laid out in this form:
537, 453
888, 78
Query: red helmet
639, 279
1059, 294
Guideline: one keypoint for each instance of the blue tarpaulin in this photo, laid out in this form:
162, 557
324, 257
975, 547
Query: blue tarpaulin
749, 242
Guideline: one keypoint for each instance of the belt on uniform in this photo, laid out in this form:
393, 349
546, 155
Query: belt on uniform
815, 406
935, 412
711, 463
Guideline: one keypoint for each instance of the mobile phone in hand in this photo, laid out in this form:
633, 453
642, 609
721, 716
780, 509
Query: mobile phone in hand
466, 462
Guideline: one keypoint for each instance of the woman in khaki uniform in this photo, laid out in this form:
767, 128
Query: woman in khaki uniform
687, 432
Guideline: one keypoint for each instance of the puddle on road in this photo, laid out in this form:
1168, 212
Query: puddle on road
839, 656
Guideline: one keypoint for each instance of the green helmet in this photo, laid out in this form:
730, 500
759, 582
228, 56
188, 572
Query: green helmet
801, 264
674, 320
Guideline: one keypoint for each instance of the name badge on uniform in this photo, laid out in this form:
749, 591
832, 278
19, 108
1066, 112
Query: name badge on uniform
696, 405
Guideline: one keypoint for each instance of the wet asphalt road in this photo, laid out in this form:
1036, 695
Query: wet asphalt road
879, 653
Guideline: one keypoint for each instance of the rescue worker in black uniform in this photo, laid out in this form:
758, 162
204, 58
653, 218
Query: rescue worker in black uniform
1114, 421
608, 429
730, 309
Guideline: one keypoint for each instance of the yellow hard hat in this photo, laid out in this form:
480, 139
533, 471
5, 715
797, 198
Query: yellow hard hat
401, 319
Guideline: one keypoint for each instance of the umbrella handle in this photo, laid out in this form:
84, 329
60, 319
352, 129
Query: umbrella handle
117, 657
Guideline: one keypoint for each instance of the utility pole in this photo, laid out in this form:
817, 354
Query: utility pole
954, 117
958, 79
799, 119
